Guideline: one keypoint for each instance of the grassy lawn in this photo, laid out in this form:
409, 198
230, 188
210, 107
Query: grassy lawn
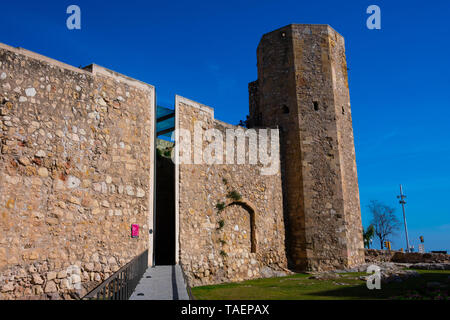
348, 286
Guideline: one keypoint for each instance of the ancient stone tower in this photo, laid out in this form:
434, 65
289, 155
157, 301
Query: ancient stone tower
302, 88
80, 171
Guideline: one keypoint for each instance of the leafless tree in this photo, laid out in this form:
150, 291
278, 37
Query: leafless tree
384, 221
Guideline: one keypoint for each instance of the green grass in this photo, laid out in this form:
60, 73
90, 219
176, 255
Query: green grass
299, 287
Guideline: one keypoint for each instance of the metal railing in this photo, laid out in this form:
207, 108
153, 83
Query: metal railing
121, 284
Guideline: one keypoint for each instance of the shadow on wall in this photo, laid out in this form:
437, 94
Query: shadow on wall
165, 211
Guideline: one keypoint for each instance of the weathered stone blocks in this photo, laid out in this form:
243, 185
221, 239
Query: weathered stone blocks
302, 88
76, 170
233, 243
57, 145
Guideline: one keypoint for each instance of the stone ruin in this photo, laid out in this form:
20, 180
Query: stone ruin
77, 169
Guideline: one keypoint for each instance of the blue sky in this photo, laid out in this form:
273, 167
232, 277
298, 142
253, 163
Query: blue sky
206, 50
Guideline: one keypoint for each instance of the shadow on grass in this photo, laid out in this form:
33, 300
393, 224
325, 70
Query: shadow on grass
347, 287
411, 288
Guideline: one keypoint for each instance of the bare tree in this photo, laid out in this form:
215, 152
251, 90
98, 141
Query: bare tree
384, 221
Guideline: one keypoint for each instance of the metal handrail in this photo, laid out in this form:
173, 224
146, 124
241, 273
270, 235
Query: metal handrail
121, 284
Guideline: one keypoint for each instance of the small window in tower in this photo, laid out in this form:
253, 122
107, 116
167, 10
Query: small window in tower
283, 34
285, 109
343, 110
316, 106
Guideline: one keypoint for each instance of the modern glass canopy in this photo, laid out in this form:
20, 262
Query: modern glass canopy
165, 121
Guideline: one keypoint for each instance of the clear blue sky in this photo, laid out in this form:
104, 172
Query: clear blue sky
206, 51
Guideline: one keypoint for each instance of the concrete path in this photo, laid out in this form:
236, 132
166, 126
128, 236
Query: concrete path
161, 283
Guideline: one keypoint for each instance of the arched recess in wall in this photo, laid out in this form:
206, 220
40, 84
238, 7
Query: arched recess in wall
252, 213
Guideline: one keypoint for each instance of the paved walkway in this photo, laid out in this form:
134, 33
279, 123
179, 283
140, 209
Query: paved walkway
161, 283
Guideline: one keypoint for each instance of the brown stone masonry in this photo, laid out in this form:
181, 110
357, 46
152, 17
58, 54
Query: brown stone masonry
75, 173
77, 163
302, 88
244, 239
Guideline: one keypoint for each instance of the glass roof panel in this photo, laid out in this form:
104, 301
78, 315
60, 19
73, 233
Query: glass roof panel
162, 111
167, 123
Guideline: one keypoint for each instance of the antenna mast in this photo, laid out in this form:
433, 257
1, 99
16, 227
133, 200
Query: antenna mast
403, 202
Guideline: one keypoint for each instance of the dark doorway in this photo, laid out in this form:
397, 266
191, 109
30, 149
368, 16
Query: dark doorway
165, 210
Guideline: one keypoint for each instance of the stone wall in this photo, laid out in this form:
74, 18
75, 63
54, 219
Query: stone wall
345, 149
75, 173
225, 238
302, 88
77, 167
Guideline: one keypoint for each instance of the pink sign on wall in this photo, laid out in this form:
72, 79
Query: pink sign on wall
135, 231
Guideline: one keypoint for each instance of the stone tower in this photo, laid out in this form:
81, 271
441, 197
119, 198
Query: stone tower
302, 88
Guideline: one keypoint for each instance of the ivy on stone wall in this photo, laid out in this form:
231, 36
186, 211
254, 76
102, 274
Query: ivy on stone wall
221, 224
220, 206
234, 195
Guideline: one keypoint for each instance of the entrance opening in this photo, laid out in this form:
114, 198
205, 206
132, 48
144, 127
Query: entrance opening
164, 237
